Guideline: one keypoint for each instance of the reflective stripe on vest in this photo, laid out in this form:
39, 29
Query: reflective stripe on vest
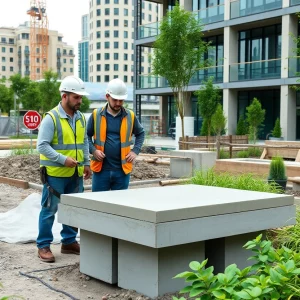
65, 142
100, 126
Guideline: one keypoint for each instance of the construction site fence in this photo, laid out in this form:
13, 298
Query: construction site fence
10, 126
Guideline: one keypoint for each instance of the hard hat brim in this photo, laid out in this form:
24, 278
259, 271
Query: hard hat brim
118, 97
82, 93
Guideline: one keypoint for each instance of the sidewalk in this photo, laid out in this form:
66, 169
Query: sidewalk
163, 143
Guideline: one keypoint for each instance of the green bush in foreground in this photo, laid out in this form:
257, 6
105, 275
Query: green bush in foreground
274, 276
241, 182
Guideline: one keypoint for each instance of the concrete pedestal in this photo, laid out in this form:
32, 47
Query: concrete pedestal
150, 271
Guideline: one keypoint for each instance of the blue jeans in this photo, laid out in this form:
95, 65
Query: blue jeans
107, 180
63, 186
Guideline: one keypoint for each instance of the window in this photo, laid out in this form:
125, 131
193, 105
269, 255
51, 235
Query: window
125, 12
125, 68
71, 61
125, 78
3, 68
59, 38
71, 70
11, 41
125, 23
125, 45
98, 78
98, 2
11, 50
116, 56
65, 60
3, 49
106, 22
116, 11
3, 40
98, 67
116, 22
116, 33
125, 34
150, 6
98, 56
149, 18
98, 12
143, 15
98, 45
106, 67
106, 78
11, 59
106, 11
116, 45
116, 67
3, 59
125, 56
116, 1
143, 5
11, 69
98, 23
106, 56
106, 45
125, 1
98, 34
106, 1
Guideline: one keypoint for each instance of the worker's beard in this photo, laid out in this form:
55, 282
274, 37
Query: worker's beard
73, 107
114, 108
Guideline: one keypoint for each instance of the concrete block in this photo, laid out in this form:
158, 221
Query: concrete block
150, 271
296, 187
99, 256
201, 160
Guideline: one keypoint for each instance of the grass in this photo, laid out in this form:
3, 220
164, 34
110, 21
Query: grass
23, 137
24, 150
248, 182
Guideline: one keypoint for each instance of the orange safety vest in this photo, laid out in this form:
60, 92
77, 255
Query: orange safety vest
100, 126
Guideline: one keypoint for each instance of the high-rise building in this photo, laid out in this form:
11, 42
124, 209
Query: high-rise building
83, 49
253, 55
111, 38
15, 52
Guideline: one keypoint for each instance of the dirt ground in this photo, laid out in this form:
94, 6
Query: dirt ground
15, 258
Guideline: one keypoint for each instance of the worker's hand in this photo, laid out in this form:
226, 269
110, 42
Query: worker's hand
87, 172
99, 155
131, 156
71, 162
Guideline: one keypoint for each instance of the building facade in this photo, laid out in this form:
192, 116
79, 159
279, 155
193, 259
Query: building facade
253, 50
111, 38
15, 52
83, 49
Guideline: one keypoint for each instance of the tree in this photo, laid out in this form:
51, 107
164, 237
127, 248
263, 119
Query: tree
218, 123
49, 89
255, 117
32, 98
208, 99
85, 104
277, 132
179, 53
6, 98
19, 85
241, 127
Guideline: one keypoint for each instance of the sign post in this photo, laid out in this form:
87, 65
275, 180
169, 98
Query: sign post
32, 120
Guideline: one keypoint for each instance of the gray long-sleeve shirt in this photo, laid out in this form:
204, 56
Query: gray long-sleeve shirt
46, 133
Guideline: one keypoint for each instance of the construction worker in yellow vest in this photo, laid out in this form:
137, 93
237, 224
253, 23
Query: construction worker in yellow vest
110, 131
64, 160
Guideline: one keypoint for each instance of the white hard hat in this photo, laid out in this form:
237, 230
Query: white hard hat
73, 84
117, 89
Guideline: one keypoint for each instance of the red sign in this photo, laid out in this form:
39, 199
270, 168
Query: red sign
32, 119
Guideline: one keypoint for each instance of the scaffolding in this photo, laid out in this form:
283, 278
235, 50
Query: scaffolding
39, 39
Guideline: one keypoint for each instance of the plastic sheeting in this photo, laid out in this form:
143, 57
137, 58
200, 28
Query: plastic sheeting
20, 225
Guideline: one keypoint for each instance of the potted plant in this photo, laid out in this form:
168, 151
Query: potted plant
276, 132
277, 172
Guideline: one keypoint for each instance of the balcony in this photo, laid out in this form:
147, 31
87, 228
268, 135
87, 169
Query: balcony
58, 54
153, 81
27, 73
19, 52
294, 67
26, 52
294, 2
242, 8
145, 31
26, 62
58, 64
211, 14
264, 69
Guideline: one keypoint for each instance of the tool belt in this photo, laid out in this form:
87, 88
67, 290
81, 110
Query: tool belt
43, 174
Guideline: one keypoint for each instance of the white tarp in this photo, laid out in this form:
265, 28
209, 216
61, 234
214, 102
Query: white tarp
20, 225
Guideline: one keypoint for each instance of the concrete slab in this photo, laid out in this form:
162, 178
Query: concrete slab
156, 204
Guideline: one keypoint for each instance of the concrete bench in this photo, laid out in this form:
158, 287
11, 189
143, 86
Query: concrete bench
141, 238
296, 183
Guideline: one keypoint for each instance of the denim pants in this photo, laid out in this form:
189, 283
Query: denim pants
107, 180
63, 185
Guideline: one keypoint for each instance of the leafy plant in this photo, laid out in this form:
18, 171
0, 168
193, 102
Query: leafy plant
274, 275
243, 154
9, 297
224, 154
242, 127
276, 132
277, 169
242, 182
22, 150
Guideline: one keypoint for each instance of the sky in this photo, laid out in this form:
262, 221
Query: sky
63, 16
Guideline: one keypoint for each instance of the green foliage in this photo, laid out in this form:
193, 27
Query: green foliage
276, 132
19, 85
208, 100
6, 98
242, 154
218, 120
181, 32
274, 275
32, 98
241, 182
22, 150
250, 152
9, 297
277, 169
224, 154
255, 117
242, 127
85, 105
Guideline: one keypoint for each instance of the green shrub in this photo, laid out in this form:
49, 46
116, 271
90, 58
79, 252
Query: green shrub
274, 275
276, 132
241, 182
24, 150
224, 154
254, 152
242, 127
242, 154
277, 169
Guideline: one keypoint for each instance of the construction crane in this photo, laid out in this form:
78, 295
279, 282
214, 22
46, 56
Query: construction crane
39, 39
